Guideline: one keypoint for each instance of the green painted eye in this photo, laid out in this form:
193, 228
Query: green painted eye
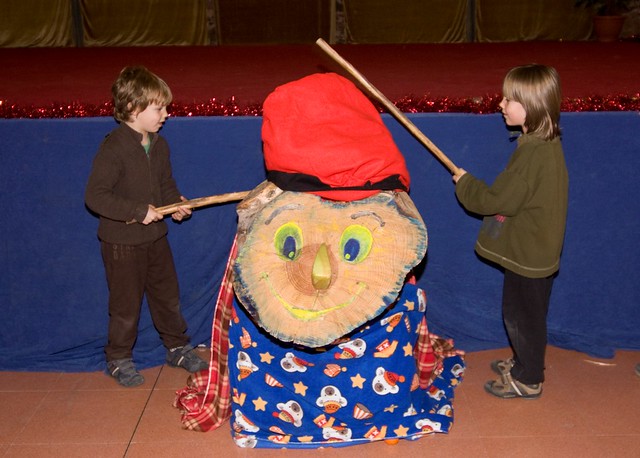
355, 243
288, 241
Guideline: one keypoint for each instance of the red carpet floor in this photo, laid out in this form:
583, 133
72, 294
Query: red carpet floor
41, 76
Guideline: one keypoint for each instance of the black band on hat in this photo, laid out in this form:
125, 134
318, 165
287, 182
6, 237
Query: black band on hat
301, 182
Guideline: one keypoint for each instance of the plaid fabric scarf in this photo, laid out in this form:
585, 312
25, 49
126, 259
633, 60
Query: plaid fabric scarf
206, 401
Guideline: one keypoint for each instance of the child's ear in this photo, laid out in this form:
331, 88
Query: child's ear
132, 113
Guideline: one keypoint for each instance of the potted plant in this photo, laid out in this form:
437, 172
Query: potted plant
608, 16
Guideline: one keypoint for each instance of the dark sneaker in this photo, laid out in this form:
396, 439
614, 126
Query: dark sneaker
186, 358
638, 369
502, 366
508, 388
125, 373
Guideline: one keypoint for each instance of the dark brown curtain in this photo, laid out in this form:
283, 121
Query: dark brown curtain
26, 23
522, 20
421, 21
144, 23
274, 21
51, 23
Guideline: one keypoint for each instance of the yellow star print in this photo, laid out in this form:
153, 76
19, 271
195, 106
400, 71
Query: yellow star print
266, 358
408, 349
401, 431
260, 404
410, 305
358, 381
301, 388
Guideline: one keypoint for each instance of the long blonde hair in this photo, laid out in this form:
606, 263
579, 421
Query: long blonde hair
537, 88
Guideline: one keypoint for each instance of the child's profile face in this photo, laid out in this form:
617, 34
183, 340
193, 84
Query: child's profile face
150, 119
513, 113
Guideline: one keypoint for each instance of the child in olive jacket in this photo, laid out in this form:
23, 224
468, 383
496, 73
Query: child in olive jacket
523, 230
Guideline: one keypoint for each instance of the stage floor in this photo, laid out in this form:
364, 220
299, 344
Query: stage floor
38, 77
141, 422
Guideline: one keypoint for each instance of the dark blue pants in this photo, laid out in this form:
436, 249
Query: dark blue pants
525, 303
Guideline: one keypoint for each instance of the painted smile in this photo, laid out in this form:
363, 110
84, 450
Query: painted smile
310, 315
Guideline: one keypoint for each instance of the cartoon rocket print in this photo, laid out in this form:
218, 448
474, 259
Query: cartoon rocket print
242, 423
427, 426
331, 399
337, 434
245, 366
245, 441
289, 412
352, 349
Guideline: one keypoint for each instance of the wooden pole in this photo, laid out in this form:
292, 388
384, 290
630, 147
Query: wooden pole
399, 115
203, 201
200, 202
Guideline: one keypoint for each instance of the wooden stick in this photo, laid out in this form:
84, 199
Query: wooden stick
200, 202
203, 201
399, 115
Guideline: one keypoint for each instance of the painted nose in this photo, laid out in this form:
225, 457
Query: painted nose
321, 271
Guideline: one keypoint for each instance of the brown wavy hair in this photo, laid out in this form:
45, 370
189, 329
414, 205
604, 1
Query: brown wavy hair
537, 88
134, 89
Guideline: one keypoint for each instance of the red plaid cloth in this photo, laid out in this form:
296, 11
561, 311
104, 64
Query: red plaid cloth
206, 401
430, 351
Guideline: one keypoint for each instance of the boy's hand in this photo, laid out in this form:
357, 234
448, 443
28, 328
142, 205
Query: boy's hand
458, 175
152, 216
182, 213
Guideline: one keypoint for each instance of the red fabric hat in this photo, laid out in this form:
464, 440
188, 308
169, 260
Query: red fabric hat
322, 135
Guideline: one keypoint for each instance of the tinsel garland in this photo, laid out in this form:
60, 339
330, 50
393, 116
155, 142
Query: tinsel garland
408, 104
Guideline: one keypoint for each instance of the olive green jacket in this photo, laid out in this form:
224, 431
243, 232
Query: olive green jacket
525, 209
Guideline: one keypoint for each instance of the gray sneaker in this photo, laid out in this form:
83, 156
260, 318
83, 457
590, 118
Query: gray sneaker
508, 388
502, 366
125, 372
186, 358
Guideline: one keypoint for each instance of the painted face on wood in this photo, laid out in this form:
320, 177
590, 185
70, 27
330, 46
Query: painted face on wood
311, 270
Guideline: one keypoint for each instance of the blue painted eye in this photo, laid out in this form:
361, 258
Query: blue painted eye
351, 249
355, 243
288, 241
289, 247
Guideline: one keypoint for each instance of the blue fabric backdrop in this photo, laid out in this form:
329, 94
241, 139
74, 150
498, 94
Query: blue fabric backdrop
53, 313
